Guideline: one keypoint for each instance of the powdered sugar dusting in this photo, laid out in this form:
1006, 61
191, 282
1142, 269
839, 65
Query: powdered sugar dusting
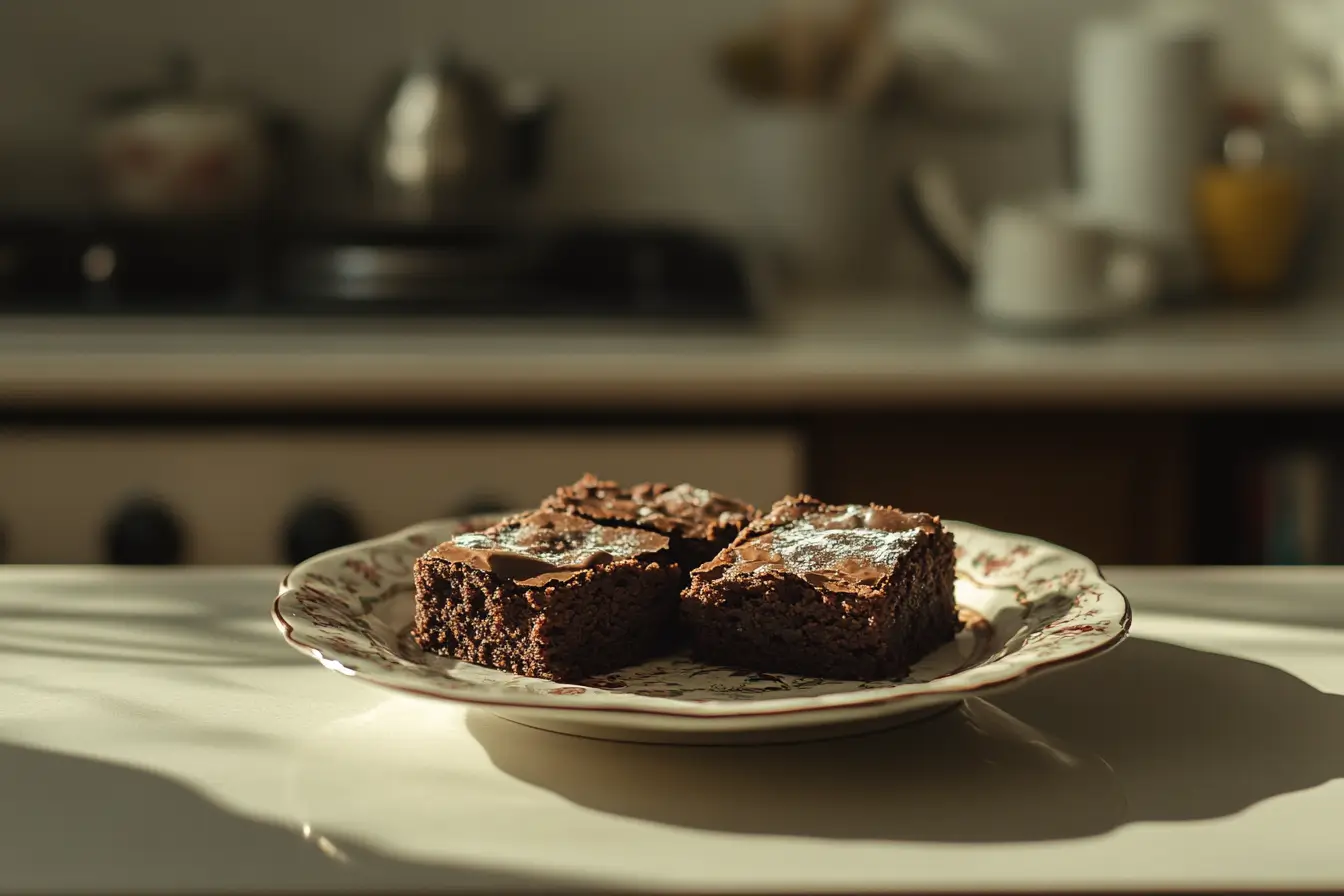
698, 496
689, 503
803, 547
834, 549
547, 545
563, 547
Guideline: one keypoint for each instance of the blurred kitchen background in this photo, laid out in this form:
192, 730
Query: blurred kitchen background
275, 276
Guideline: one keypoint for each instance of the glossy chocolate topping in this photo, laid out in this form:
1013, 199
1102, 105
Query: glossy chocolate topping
546, 546
828, 546
681, 509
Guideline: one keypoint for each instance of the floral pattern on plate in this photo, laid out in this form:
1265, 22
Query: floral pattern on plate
1028, 605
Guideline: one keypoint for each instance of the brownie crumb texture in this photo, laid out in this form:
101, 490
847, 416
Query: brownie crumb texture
548, 595
838, 591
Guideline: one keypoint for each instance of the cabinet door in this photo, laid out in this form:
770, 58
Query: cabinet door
1110, 486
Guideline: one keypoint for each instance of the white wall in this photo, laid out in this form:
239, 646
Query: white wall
643, 129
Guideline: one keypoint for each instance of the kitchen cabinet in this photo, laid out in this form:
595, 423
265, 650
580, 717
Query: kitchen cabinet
1112, 486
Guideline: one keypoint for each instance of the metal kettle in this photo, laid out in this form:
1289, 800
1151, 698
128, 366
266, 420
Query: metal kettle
450, 142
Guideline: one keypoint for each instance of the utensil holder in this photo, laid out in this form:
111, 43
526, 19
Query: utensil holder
813, 189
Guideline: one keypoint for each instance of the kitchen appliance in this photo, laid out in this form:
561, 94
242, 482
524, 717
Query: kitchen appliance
1144, 106
221, 490
449, 141
175, 150
333, 269
228, 493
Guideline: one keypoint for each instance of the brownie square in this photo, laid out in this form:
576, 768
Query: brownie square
549, 595
838, 591
699, 522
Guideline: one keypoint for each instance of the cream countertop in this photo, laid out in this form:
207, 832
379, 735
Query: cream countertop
158, 735
807, 354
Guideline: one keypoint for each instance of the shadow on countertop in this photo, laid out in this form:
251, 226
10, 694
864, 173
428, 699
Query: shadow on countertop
1191, 734
131, 831
152, 624
1151, 731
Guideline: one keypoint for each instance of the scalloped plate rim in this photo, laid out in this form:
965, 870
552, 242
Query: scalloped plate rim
899, 698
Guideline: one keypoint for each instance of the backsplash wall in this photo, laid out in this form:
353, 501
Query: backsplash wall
643, 123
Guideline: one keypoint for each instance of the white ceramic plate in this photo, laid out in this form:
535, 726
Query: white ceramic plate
1028, 606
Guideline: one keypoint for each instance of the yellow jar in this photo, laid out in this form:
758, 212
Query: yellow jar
1250, 221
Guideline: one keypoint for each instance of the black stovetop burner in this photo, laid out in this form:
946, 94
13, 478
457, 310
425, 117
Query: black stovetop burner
195, 268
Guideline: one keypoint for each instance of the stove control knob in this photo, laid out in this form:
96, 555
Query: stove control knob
144, 532
318, 525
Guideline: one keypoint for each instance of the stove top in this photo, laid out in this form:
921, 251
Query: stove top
220, 269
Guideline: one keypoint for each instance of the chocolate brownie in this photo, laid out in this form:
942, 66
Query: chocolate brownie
699, 522
547, 594
851, 591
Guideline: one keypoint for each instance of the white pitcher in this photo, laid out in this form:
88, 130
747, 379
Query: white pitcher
1048, 265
